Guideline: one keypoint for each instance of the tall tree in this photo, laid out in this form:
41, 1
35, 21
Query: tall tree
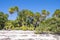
3, 19
13, 9
57, 13
44, 14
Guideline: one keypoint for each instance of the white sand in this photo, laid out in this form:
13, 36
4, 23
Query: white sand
26, 35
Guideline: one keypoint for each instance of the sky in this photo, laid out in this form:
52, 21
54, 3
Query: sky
33, 5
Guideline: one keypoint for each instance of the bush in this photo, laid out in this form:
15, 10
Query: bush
24, 28
12, 27
37, 30
0, 28
41, 29
16, 28
57, 30
31, 28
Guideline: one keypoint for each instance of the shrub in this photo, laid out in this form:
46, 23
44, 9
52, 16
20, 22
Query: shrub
24, 28
16, 28
31, 28
0, 27
57, 30
37, 30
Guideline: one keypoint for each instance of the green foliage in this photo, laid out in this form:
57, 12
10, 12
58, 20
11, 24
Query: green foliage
8, 25
31, 28
3, 19
37, 30
16, 28
42, 28
28, 20
13, 9
24, 28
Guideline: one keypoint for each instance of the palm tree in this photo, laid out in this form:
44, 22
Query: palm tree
37, 15
16, 8
44, 14
3, 19
36, 19
13, 9
56, 13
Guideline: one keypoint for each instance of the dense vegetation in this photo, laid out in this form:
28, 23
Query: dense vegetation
28, 20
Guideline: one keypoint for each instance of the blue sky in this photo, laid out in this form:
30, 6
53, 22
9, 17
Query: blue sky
33, 5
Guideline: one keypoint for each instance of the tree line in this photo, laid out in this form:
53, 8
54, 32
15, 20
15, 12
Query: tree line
28, 20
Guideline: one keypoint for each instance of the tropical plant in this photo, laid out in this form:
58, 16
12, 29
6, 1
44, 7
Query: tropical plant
3, 19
